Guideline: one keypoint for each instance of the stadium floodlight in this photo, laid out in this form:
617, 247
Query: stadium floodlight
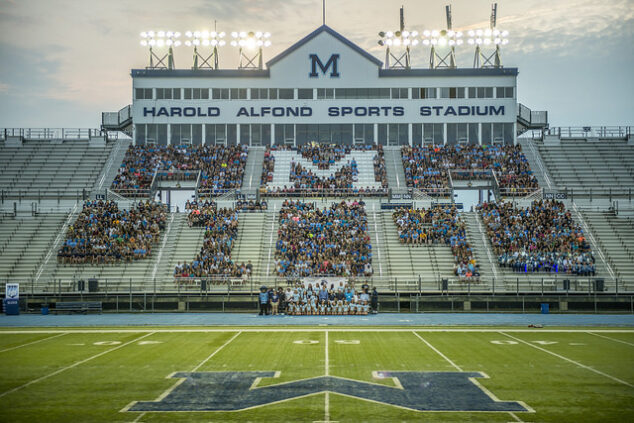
160, 39
485, 39
398, 39
203, 40
443, 44
250, 45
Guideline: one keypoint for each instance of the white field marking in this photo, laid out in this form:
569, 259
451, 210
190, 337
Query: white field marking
306, 341
503, 342
257, 380
576, 343
312, 329
438, 352
495, 398
139, 417
606, 337
33, 342
77, 363
347, 341
583, 366
181, 380
150, 342
327, 373
215, 352
545, 342
109, 343
486, 391
378, 375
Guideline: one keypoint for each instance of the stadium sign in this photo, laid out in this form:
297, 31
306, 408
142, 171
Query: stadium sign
332, 62
418, 391
332, 111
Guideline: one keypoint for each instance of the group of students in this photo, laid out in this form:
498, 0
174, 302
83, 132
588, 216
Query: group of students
330, 241
214, 258
323, 156
440, 224
427, 167
222, 167
540, 238
103, 233
318, 300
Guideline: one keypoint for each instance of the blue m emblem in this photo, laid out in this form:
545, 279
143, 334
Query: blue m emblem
315, 61
420, 391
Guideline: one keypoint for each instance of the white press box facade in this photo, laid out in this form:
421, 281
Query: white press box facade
324, 89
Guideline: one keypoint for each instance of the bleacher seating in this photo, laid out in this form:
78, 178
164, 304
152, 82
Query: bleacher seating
324, 169
582, 166
42, 169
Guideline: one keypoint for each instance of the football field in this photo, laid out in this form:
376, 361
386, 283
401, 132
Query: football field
317, 374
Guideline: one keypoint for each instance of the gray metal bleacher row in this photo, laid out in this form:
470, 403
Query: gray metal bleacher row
41, 169
590, 168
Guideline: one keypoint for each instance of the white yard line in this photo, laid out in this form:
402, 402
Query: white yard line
438, 352
39, 379
327, 372
215, 352
31, 343
606, 337
314, 329
583, 366
448, 360
180, 381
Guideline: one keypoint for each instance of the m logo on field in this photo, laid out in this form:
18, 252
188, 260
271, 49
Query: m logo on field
419, 391
316, 61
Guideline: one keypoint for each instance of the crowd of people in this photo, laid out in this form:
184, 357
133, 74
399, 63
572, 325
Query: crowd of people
222, 167
320, 300
323, 156
331, 241
427, 167
214, 258
103, 233
441, 224
539, 238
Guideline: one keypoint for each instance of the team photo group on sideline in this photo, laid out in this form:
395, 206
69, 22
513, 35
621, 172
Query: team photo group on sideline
318, 300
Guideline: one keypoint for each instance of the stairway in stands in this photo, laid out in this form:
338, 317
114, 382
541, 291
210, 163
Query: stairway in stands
251, 237
394, 167
253, 170
481, 249
111, 168
531, 152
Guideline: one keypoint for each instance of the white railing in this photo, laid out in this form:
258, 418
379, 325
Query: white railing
54, 133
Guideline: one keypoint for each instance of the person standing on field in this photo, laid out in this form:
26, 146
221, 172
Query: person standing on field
275, 301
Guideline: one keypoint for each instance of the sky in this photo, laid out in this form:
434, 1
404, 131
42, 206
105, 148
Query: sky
63, 62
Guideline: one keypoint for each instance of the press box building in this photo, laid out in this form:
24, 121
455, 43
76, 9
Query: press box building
324, 88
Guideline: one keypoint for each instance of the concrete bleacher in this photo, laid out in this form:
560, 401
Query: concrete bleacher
583, 166
615, 235
24, 242
43, 169
364, 159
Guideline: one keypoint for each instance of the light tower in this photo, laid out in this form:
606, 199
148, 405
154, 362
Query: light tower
400, 38
203, 40
247, 41
484, 39
159, 40
439, 41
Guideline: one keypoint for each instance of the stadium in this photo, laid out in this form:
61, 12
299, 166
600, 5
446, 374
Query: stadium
320, 236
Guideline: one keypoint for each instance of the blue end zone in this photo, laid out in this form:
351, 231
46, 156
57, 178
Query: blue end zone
422, 391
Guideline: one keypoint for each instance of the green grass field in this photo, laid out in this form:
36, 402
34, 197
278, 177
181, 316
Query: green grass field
95, 375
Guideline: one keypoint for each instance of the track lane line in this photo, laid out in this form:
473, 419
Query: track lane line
583, 366
34, 342
73, 365
605, 337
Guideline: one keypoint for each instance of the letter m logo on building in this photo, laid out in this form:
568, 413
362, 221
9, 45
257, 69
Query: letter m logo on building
316, 61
